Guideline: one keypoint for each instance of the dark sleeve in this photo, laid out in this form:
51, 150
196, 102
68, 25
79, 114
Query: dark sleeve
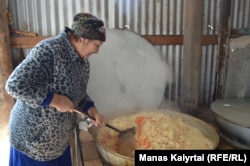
86, 103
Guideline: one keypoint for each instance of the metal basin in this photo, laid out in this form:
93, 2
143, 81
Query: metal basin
113, 158
233, 120
236, 135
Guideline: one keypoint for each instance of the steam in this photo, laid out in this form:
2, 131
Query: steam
127, 73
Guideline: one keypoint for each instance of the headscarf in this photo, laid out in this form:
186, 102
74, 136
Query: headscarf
87, 26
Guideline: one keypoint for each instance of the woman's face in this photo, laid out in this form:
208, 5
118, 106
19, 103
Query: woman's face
86, 47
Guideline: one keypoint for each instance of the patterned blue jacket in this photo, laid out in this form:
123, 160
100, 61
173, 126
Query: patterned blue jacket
52, 66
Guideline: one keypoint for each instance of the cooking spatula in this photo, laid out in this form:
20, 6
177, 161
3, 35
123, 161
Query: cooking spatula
122, 133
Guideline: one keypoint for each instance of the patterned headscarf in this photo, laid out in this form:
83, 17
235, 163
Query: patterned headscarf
88, 26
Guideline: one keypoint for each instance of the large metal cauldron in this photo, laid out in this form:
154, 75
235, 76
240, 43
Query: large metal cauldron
116, 159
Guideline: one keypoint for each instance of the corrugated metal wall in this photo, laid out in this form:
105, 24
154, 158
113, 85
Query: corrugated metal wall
145, 17
240, 14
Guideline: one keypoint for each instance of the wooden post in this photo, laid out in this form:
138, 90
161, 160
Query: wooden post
223, 42
191, 63
6, 101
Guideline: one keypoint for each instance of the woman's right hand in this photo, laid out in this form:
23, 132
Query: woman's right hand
62, 103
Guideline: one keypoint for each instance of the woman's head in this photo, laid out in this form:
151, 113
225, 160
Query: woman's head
88, 34
88, 26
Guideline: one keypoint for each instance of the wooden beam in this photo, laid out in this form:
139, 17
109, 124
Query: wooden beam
164, 39
178, 39
6, 101
29, 42
23, 33
191, 61
223, 42
26, 42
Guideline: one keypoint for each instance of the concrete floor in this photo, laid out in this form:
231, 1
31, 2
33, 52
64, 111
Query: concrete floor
90, 153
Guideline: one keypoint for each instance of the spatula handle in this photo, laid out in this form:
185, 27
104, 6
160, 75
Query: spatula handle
112, 127
108, 125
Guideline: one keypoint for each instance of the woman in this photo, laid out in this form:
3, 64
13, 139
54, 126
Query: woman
47, 86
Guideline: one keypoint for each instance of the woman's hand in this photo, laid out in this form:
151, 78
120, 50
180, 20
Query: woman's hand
62, 103
99, 118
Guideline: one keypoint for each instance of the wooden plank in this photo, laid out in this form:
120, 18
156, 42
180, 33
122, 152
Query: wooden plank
164, 39
23, 33
26, 42
191, 62
178, 39
29, 42
6, 101
223, 40
209, 39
